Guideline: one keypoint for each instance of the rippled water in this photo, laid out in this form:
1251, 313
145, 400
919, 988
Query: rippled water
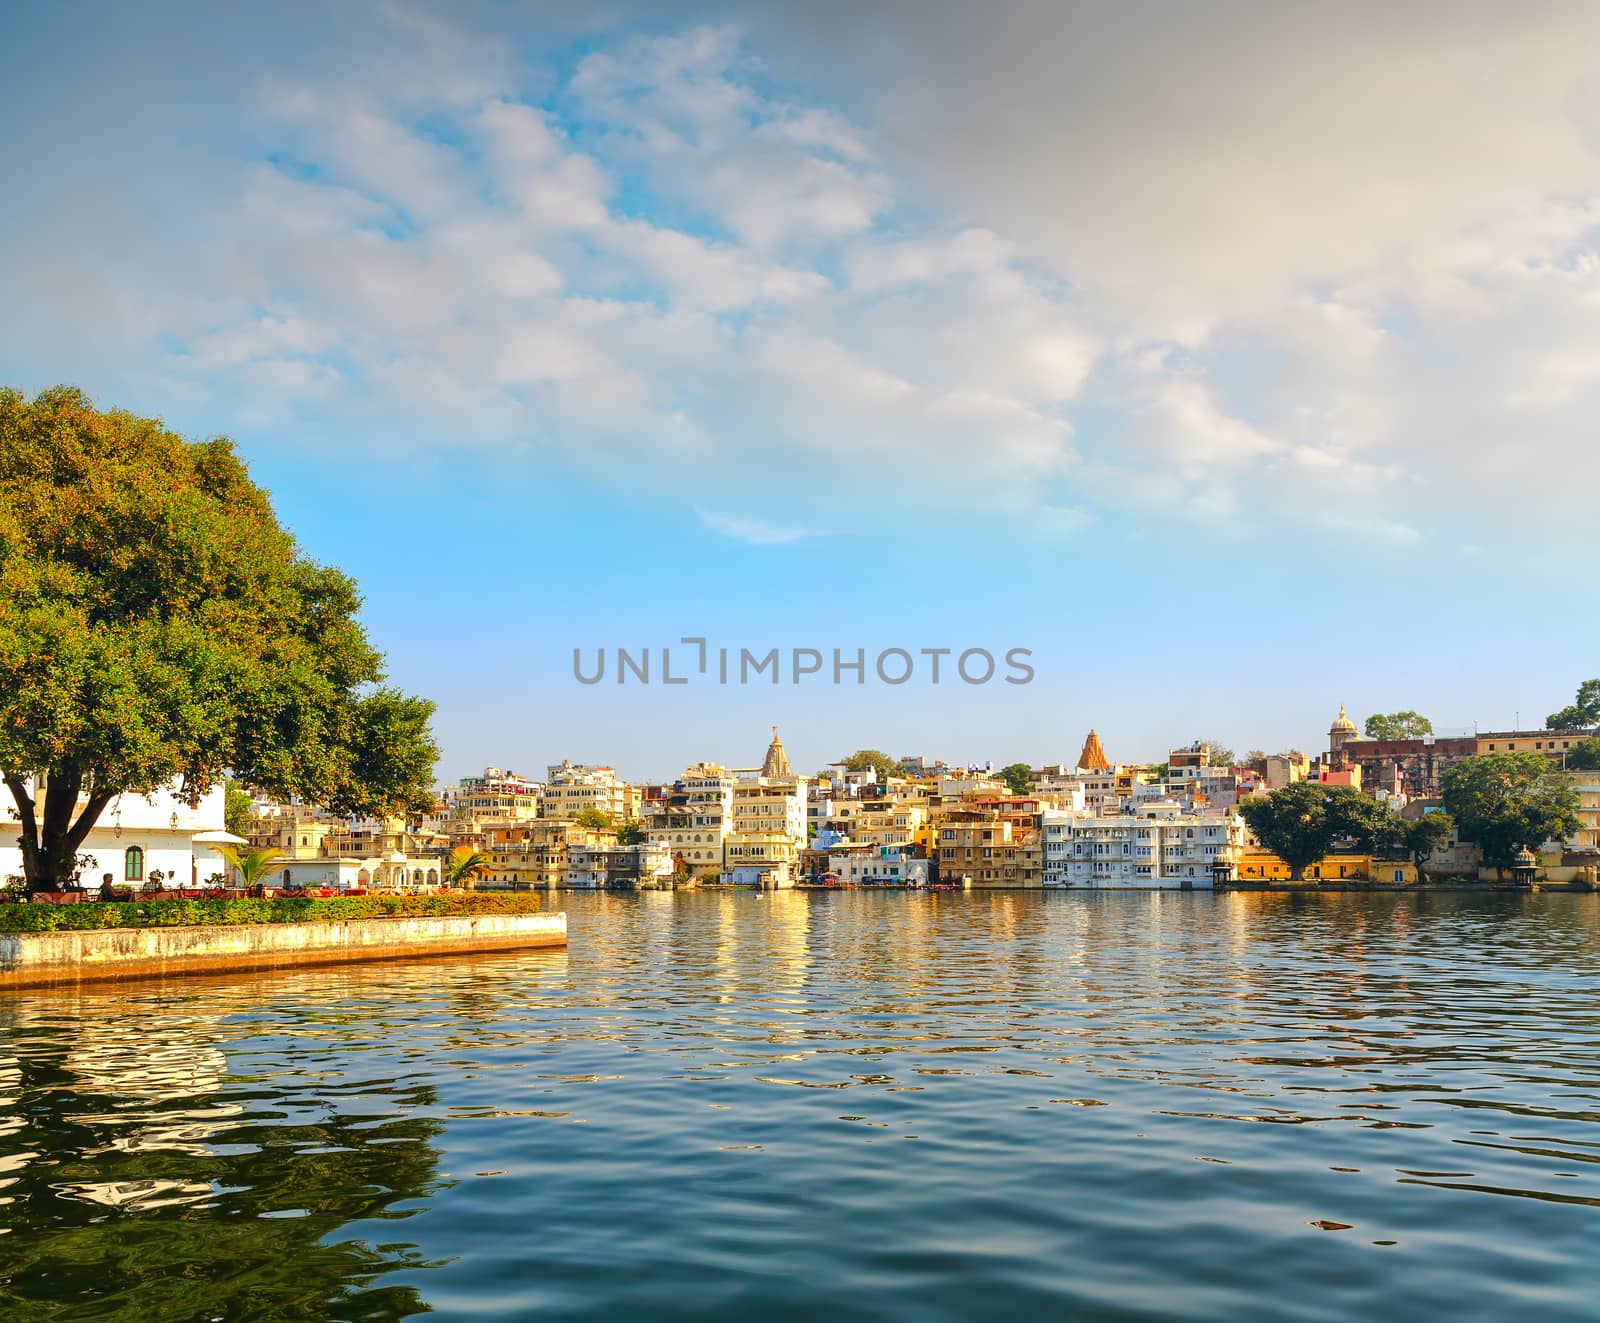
843, 1106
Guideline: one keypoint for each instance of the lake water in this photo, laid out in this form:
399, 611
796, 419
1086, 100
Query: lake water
847, 1106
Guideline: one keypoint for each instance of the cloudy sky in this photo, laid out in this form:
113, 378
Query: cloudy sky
1238, 360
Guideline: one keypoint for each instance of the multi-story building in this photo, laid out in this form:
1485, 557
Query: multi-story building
1160, 847
494, 797
694, 818
980, 850
1413, 768
644, 865
533, 856
768, 824
573, 788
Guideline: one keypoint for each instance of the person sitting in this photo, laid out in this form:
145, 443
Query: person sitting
107, 891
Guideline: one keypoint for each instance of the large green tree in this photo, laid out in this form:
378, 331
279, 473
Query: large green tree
157, 624
874, 760
1584, 711
1426, 834
1303, 821
1506, 802
1585, 755
1018, 778
1398, 726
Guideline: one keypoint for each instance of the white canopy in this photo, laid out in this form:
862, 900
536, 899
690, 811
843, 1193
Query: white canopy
217, 838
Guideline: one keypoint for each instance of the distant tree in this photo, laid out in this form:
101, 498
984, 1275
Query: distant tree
251, 865
464, 866
1506, 802
1398, 726
874, 760
631, 832
235, 808
1256, 759
1428, 833
1585, 709
592, 818
1018, 778
160, 625
1302, 822
1220, 754
1585, 755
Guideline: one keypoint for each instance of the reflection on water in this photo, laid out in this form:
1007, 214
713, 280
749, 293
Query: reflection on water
855, 1106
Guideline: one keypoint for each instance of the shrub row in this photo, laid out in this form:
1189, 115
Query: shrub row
36, 918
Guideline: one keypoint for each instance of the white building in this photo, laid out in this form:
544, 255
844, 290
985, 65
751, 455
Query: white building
1161, 847
693, 821
876, 866
572, 788
139, 839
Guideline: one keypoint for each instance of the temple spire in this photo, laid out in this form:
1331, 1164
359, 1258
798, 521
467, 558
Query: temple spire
1093, 758
777, 761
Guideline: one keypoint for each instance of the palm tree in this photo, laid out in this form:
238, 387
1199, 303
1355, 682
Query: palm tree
251, 866
465, 866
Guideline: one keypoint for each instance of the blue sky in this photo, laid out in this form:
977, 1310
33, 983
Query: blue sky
1233, 384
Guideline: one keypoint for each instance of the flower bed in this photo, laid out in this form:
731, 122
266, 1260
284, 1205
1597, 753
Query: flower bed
43, 918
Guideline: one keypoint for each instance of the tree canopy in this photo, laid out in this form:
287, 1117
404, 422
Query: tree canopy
874, 760
1018, 778
1425, 835
1585, 754
158, 625
1406, 725
1584, 711
593, 818
1219, 753
1303, 821
1506, 802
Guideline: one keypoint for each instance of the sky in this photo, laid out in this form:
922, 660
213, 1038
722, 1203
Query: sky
1237, 361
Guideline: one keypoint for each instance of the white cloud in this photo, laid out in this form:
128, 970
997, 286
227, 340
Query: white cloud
753, 531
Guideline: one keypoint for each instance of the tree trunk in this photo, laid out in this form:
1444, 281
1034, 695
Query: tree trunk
50, 840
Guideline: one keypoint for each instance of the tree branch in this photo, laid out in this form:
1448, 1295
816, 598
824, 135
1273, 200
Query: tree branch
86, 820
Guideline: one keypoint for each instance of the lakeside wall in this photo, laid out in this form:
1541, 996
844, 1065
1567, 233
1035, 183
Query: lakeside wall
41, 959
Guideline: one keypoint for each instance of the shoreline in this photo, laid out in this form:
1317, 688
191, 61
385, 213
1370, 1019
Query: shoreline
70, 956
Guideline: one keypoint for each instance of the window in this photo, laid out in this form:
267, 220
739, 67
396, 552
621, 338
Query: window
133, 864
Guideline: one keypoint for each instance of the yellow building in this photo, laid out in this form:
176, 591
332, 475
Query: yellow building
768, 825
1256, 864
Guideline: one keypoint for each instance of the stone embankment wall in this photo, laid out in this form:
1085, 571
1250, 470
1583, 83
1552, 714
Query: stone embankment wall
40, 959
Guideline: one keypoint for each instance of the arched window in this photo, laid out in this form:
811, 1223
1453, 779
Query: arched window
363, 877
433, 876
286, 881
133, 864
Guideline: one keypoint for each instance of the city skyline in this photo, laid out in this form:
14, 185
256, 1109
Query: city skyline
1232, 382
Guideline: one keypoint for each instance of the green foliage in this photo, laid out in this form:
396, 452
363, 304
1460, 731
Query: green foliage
1585, 755
592, 818
465, 866
250, 865
1256, 758
1018, 778
160, 625
1398, 726
39, 918
1302, 822
874, 760
235, 808
1506, 802
1585, 709
1219, 753
1428, 833
631, 832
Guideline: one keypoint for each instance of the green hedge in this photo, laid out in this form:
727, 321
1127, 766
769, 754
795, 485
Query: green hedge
36, 918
